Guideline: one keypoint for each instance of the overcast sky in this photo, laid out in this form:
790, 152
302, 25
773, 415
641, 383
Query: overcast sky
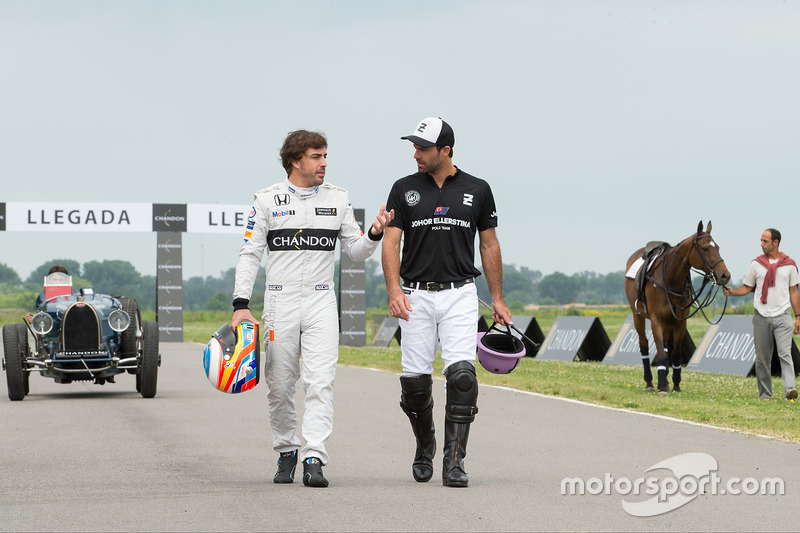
599, 124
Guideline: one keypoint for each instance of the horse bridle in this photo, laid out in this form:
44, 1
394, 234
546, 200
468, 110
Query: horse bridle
694, 296
707, 274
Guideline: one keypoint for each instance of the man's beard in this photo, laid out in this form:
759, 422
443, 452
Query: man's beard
432, 168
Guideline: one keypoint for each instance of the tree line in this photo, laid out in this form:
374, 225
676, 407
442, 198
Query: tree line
114, 277
521, 286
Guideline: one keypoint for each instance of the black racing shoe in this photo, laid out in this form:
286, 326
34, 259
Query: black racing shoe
287, 462
312, 473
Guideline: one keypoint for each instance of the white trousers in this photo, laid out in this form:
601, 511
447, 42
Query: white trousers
306, 323
449, 317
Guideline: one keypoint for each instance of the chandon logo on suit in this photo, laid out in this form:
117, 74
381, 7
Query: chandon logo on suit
288, 239
282, 199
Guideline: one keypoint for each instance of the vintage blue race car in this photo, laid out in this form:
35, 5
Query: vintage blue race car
81, 335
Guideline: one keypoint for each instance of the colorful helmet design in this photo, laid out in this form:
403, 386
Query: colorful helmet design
499, 353
231, 358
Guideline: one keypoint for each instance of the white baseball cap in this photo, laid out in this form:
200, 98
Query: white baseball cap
432, 131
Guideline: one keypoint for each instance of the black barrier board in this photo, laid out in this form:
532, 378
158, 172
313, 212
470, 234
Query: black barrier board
389, 329
776, 361
530, 327
352, 296
625, 348
728, 348
377, 320
169, 286
575, 337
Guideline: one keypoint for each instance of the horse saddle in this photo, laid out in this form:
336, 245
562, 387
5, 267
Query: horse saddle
651, 252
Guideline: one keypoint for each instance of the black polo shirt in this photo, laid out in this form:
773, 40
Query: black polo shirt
439, 225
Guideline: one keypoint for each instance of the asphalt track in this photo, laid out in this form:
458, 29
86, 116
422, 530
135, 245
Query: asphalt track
83, 457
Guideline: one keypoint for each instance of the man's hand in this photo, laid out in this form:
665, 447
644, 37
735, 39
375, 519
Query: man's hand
242, 315
501, 314
741, 290
399, 306
382, 220
727, 290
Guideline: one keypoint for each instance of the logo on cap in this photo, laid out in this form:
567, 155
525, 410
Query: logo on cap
432, 131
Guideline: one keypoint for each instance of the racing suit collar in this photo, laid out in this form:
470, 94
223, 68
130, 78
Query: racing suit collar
301, 192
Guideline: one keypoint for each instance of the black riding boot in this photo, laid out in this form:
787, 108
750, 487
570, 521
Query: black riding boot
416, 400
455, 449
462, 397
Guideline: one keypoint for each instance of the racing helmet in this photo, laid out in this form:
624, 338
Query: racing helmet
232, 358
500, 352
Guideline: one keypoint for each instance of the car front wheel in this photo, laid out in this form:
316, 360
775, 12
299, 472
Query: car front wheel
13, 363
147, 379
22, 335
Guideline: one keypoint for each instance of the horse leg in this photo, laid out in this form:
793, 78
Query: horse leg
676, 355
644, 349
661, 358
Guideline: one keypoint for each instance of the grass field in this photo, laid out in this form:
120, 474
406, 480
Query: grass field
717, 399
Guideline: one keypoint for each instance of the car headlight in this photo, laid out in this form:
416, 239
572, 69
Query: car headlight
119, 320
42, 323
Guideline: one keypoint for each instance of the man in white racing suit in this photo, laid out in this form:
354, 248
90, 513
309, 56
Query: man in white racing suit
297, 223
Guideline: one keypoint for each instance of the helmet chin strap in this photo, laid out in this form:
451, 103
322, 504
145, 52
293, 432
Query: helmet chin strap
534, 344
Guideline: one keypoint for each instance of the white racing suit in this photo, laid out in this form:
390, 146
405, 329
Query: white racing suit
298, 229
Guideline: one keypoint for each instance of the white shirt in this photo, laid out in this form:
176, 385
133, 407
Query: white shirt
777, 296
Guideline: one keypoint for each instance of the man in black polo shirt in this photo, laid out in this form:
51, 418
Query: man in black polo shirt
440, 208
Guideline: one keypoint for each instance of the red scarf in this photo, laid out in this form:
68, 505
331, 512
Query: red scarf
772, 271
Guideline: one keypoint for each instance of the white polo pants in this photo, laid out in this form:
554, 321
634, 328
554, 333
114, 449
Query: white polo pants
450, 317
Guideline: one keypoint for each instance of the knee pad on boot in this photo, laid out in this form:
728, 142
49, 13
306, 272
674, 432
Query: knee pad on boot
462, 392
416, 394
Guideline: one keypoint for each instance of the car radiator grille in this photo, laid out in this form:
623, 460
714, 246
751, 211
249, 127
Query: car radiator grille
80, 328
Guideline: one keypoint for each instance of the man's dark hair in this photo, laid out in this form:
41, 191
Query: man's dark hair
296, 144
440, 148
58, 268
775, 234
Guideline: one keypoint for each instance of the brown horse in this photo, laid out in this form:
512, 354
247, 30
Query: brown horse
669, 297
